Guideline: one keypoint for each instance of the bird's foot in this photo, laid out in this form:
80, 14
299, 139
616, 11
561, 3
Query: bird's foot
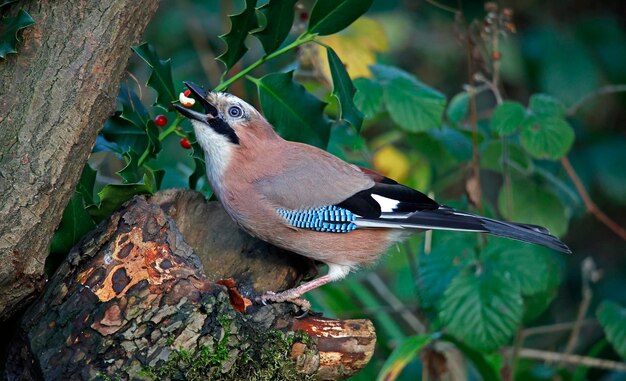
285, 296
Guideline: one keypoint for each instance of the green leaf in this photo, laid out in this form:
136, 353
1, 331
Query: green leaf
125, 135
612, 317
241, 25
131, 172
145, 137
437, 269
546, 134
524, 265
279, 16
546, 105
112, 196
295, 113
507, 117
534, 205
458, 108
132, 108
368, 97
454, 141
491, 157
484, 367
199, 171
9, 26
347, 144
406, 351
412, 107
331, 16
75, 223
160, 77
386, 73
86, 184
482, 309
344, 91
547, 137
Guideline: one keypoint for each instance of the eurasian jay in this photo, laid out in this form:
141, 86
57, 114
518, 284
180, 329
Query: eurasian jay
303, 199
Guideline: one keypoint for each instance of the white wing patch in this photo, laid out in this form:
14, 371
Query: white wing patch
387, 205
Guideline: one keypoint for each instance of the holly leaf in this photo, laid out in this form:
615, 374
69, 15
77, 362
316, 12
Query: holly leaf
131, 172
112, 196
331, 16
279, 16
132, 109
368, 97
406, 351
482, 309
507, 117
241, 25
612, 317
145, 137
76, 222
161, 76
414, 108
86, 184
344, 91
295, 113
198, 172
9, 26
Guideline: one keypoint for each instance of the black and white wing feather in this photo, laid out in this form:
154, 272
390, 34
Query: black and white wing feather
394, 206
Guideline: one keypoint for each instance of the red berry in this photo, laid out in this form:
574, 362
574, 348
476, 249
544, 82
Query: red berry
160, 120
184, 142
187, 92
304, 16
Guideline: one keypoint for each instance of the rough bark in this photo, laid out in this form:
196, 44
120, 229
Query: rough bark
131, 301
54, 97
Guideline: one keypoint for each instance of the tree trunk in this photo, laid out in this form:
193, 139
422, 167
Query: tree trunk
54, 97
132, 301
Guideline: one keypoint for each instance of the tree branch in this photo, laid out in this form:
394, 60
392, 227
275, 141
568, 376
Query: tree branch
589, 203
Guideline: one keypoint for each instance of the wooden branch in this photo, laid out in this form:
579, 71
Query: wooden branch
589, 203
132, 300
592, 362
54, 97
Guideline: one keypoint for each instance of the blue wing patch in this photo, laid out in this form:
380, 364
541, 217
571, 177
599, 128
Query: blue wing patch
325, 219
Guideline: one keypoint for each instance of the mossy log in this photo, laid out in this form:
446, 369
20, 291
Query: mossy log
133, 301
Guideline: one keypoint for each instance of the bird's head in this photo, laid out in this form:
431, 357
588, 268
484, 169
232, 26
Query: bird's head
227, 121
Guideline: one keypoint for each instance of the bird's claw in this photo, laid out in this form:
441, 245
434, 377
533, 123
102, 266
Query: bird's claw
270, 296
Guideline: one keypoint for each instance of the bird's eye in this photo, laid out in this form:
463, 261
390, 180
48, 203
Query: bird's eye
235, 111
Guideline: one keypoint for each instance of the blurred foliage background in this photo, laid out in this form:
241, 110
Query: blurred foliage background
575, 51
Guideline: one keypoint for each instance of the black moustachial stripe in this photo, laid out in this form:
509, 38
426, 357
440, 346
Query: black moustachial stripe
221, 127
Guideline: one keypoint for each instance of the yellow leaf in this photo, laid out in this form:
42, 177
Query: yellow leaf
356, 46
392, 163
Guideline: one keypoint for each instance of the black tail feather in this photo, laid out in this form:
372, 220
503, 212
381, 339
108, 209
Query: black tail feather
446, 218
524, 232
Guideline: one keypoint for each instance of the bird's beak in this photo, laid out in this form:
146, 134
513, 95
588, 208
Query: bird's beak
201, 96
